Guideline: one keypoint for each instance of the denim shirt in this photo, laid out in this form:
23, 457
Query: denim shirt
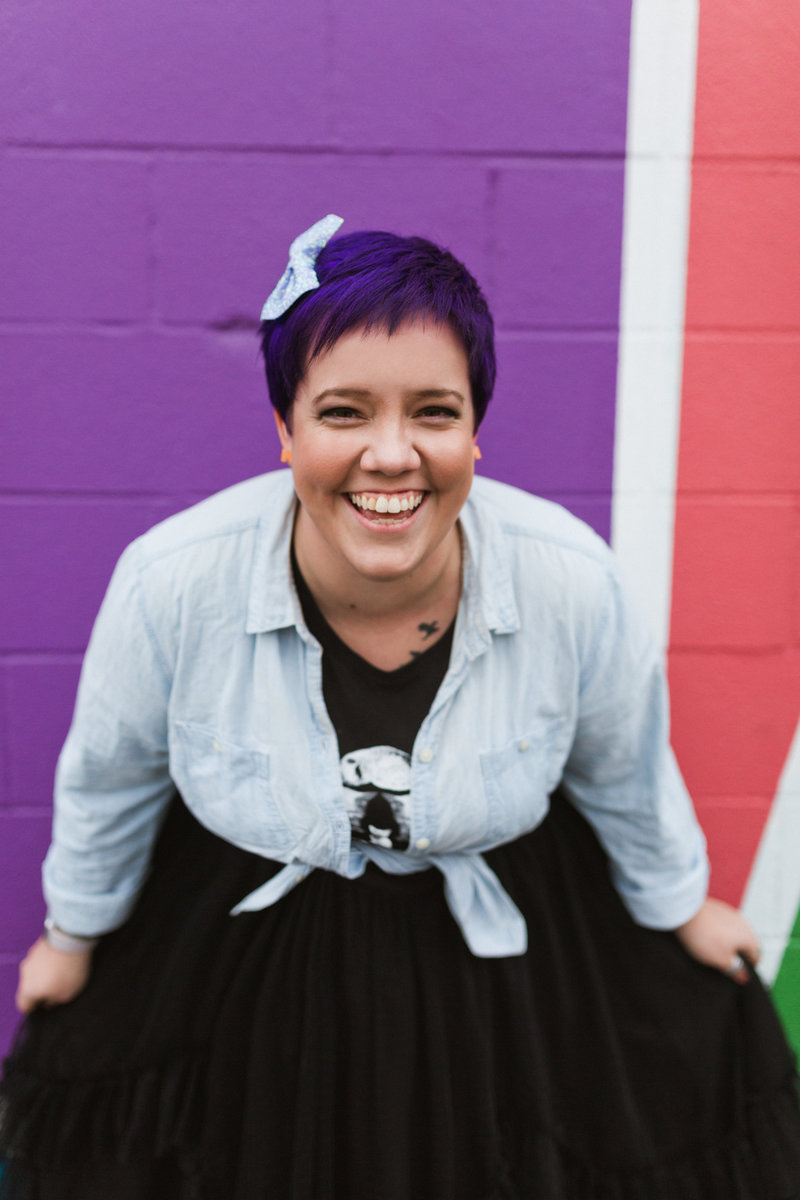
202, 675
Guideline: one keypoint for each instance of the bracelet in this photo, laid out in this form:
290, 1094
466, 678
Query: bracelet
70, 943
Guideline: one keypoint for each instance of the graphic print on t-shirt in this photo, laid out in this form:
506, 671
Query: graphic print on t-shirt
376, 783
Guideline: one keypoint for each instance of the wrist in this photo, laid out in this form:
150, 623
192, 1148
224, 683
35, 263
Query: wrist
67, 943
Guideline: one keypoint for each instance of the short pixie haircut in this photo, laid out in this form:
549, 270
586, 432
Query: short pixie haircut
378, 281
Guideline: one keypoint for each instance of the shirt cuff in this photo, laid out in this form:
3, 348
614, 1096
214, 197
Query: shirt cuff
670, 906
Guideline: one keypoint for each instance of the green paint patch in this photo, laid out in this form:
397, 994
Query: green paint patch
786, 989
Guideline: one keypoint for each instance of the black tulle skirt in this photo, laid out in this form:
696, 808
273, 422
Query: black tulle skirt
346, 1045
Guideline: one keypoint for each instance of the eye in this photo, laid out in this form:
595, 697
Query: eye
340, 414
439, 413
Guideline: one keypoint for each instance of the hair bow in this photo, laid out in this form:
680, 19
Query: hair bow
300, 276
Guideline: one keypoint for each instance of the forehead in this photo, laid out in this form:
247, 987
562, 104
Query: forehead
416, 357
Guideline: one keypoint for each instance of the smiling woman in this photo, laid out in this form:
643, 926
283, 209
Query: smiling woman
372, 871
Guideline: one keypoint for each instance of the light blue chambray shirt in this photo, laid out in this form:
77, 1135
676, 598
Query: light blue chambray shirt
202, 675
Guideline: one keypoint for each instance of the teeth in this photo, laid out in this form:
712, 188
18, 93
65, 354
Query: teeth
387, 504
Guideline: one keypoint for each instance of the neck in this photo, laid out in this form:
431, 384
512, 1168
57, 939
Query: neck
344, 594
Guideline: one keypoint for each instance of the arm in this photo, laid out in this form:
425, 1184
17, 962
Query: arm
112, 787
621, 772
623, 776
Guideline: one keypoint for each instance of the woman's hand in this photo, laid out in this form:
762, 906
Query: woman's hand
48, 977
718, 935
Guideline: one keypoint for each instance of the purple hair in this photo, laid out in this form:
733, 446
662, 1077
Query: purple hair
376, 280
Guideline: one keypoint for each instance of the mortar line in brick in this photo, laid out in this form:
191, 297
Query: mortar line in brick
784, 164
29, 652
5, 730
20, 811
11, 498
772, 498
74, 150
773, 650
93, 325
544, 333
58, 658
607, 331
778, 337
492, 156
790, 332
331, 87
152, 240
491, 249
731, 799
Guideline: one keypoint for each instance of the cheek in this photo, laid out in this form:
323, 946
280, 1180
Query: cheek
457, 468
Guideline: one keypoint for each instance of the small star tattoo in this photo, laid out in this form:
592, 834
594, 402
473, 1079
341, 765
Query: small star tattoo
428, 628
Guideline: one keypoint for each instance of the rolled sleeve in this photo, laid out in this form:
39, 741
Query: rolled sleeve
622, 774
112, 780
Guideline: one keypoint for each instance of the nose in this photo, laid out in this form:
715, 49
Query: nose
390, 449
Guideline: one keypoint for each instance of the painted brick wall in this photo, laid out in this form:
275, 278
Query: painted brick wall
158, 160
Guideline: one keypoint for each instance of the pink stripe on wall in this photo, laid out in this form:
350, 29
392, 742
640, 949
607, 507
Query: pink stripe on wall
735, 653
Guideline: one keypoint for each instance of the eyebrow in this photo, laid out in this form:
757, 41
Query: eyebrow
365, 393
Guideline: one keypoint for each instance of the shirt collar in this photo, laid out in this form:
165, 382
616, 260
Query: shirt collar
487, 566
273, 603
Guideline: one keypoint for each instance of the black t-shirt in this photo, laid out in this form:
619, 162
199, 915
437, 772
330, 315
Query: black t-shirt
376, 715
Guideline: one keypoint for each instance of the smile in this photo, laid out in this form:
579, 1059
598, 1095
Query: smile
380, 502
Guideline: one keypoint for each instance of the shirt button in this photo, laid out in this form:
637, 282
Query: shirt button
422, 843
216, 745
299, 878
426, 755
525, 744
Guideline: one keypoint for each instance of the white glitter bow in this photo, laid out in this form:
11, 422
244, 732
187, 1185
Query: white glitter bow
300, 276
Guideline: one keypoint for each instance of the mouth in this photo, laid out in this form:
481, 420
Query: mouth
386, 508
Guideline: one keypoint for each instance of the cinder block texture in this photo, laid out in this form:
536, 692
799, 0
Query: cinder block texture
204, 73
754, 45
506, 78
552, 406
57, 560
41, 697
74, 244
745, 233
731, 827
558, 235
733, 718
756, 445
23, 843
734, 581
131, 412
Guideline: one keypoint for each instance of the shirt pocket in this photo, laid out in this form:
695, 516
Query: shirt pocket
227, 786
519, 777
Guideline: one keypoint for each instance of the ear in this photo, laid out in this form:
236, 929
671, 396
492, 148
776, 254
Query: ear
284, 432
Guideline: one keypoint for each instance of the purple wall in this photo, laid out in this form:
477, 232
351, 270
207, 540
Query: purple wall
158, 160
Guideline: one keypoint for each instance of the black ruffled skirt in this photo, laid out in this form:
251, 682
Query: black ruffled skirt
346, 1045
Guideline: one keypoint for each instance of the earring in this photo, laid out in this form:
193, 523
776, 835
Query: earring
476, 452
286, 456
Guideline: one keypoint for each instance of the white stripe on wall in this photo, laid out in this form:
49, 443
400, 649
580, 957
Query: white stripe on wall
772, 896
654, 253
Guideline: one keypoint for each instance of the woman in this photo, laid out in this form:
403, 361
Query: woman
373, 946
